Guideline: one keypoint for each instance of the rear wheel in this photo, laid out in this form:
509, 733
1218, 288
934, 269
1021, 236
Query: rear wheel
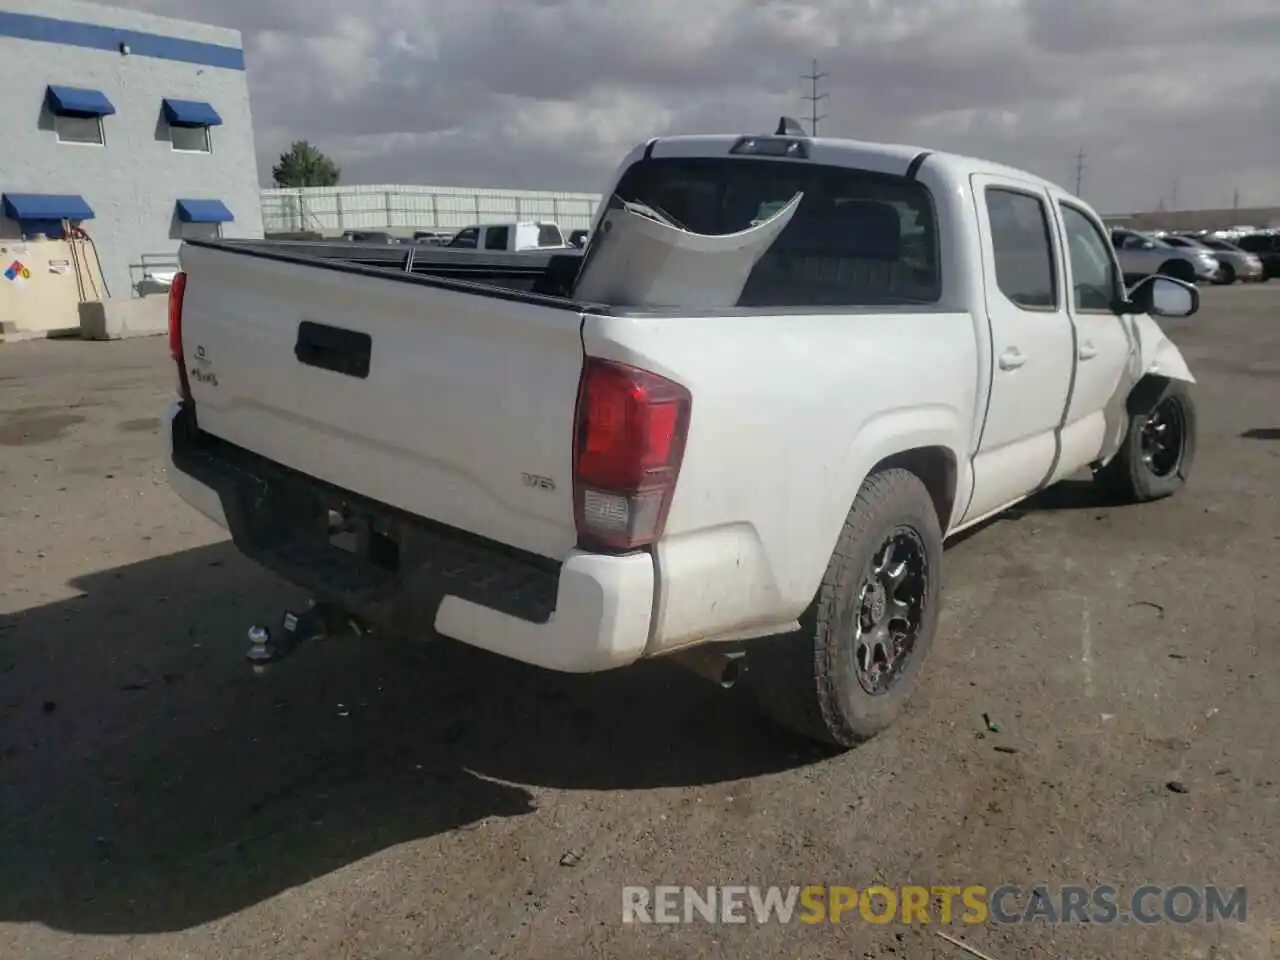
1179, 270
1159, 448
846, 674
1226, 276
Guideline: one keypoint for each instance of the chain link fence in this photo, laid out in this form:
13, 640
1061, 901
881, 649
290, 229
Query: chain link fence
404, 209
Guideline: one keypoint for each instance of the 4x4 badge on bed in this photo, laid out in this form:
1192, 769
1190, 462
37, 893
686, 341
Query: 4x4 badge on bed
201, 371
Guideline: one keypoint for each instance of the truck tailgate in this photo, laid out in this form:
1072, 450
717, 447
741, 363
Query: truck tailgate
454, 406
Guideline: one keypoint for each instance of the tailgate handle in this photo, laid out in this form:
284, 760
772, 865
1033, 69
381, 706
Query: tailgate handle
332, 348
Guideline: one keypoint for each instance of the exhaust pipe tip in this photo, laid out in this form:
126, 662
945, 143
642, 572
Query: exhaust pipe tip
723, 668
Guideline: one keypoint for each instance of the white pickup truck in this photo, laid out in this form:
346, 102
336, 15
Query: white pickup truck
511, 237
760, 492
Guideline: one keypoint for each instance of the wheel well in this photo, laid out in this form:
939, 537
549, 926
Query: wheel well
936, 468
1144, 393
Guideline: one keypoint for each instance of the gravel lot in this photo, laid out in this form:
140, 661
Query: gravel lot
427, 800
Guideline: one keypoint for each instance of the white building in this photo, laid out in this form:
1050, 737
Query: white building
134, 128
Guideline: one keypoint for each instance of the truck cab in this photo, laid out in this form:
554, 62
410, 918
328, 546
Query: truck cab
510, 237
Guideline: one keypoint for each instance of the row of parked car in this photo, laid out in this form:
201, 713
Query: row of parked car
541, 235
1220, 257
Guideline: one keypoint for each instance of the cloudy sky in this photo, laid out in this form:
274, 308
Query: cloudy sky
1176, 100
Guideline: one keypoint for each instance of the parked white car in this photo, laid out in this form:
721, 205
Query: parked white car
760, 492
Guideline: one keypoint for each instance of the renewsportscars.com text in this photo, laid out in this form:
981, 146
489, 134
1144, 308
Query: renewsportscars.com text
1100, 905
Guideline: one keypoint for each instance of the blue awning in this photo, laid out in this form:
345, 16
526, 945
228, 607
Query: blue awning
190, 113
204, 211
46, 206
77, 102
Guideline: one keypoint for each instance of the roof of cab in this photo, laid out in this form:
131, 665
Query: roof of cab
894, 158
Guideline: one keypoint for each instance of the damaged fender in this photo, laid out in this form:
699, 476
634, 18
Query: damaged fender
1159, 355
1151, 354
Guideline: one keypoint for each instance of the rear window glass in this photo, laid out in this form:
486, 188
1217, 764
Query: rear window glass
858, 238
549, 235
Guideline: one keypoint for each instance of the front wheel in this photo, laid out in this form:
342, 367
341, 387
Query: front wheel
846, 674
1159, 447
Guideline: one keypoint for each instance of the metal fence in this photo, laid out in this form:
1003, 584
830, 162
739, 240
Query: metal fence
403, 209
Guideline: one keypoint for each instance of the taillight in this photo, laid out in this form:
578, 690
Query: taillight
628, 444
177, 291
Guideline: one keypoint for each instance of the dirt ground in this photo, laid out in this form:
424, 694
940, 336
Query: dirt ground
397, 800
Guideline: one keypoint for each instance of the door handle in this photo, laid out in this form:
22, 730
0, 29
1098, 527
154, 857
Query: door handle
1012, 359
1087, 350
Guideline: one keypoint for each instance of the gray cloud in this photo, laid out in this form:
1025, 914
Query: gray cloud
552, 93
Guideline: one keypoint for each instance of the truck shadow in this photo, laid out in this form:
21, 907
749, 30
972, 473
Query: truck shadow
1067, 495
150, 782
1262, 433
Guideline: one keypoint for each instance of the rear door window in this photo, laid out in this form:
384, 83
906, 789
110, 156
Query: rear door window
1022, 248
858, 238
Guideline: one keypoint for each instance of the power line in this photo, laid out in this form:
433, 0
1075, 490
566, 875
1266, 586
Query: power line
814, 97
1080, 169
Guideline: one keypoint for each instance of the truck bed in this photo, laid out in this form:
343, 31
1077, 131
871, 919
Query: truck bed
549, 273
450, 397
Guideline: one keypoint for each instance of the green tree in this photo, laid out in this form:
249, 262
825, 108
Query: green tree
303, 165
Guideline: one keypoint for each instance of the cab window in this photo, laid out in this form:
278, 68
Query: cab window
1095, 285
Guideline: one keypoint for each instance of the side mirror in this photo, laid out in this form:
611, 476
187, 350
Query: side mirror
1162, 296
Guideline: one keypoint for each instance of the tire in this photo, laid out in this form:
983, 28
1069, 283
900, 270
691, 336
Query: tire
1226, 276
1179, 270
1141, 472
809, 681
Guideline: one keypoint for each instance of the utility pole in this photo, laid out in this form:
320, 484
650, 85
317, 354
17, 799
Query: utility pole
1235, 199
1080, 168
813, 97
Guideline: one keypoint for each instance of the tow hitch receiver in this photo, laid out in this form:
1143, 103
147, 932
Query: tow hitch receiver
318, 622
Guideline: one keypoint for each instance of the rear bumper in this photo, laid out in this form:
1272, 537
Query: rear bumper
589, 613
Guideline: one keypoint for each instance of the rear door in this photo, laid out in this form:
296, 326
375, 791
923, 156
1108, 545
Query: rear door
457, 407
1032, 342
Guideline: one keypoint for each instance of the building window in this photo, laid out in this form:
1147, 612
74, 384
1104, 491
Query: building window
190, 139
73, 129
201, 231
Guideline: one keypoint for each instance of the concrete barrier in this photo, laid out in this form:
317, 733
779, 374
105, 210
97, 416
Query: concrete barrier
121, 319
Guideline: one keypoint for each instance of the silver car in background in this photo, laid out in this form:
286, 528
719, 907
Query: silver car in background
1237, 264
1141, 255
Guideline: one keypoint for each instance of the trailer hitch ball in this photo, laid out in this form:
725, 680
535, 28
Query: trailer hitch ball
260, 653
